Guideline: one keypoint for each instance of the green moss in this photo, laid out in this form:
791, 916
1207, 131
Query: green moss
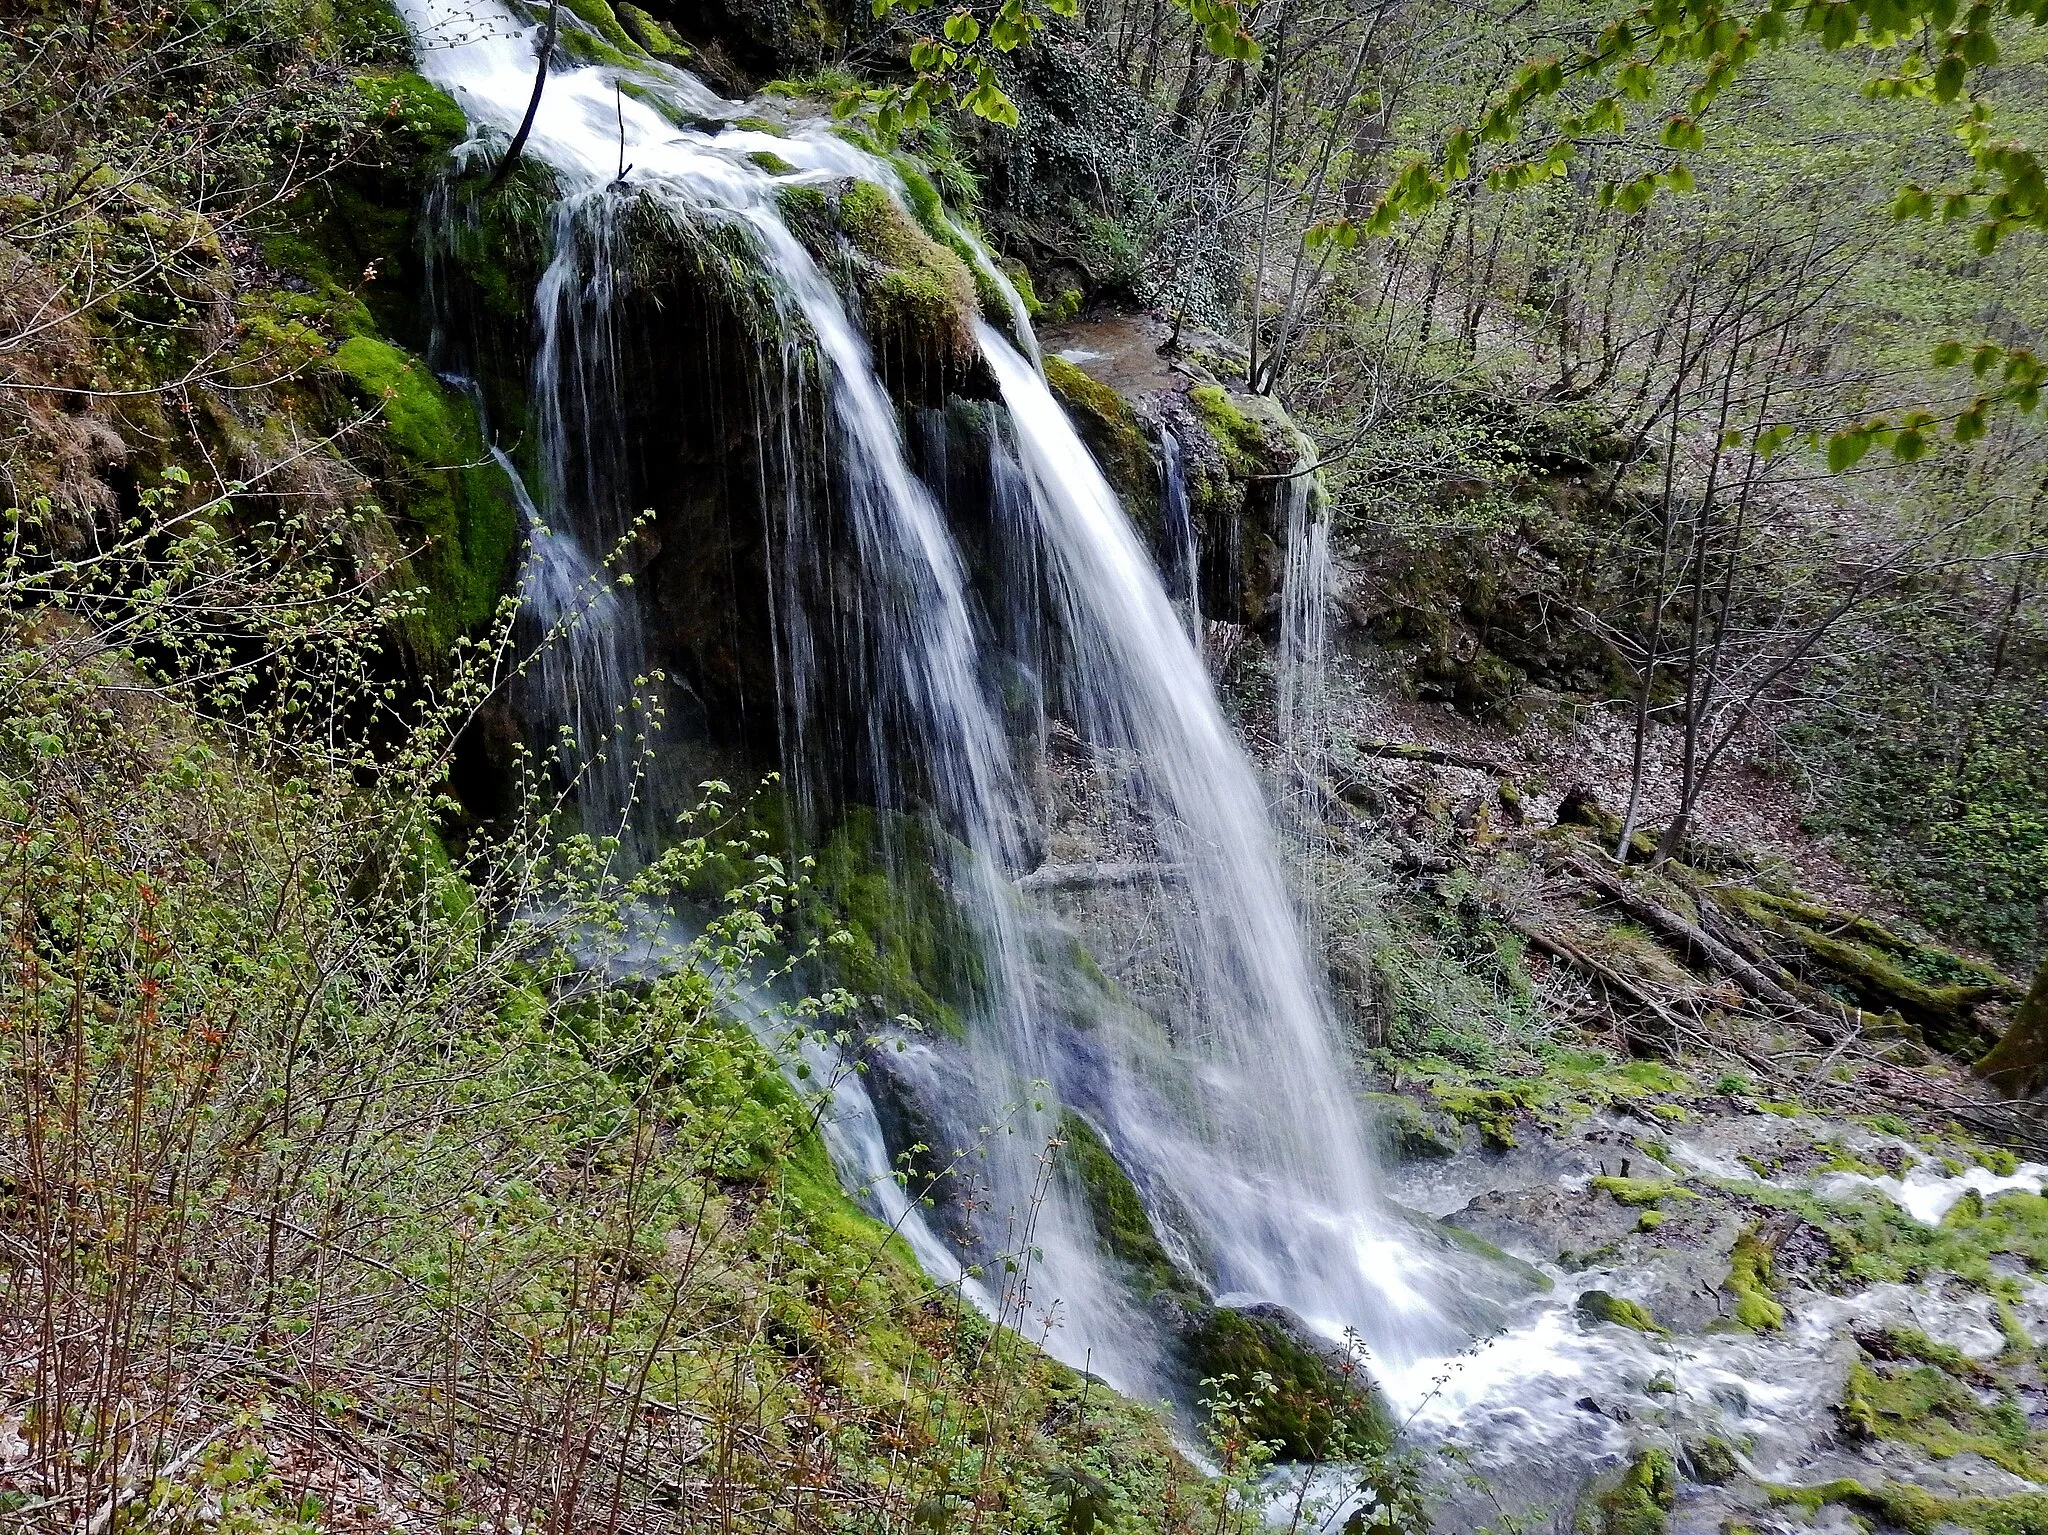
441, 481
1640, 1501
1477, 1245
1310, 1408
1407, 1130
1641, 1192
1649, 1220
1121, 1222
1020, 279
1492, 1109
901, 939
1749, 1285
1113, 432
1599, 1306
772, 163
1711, 1462
1242, 440
351, 236
1840, 1159
617, 45
1933, 988
2018, 1064
1920, 1512
656, 37
917, 292
1932, 1406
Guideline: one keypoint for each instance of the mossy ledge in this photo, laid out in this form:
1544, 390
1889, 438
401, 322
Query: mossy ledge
455, 512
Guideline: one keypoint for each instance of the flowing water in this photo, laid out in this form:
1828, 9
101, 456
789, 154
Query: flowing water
1235, 1112
1183, 547
1304, 662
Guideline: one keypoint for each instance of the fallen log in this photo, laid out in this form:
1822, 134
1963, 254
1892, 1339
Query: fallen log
1436, 756
1708, 949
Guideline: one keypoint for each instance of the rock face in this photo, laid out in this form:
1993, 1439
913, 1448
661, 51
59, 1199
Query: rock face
1127, 380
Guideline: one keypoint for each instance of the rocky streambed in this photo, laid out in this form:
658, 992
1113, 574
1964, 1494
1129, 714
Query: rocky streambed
1757, 1317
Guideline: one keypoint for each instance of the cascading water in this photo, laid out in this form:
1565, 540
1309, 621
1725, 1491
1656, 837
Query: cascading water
1183, 548
1238, 1115
1249, 1120
1304, 661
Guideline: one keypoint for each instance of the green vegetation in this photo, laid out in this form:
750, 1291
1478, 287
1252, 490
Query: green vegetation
1114, 434
1121, 1221
442, 483
1599, 1306
1640, 1501
1285, 1392
1749, 1285
879, 887
1642, 1191
918, 293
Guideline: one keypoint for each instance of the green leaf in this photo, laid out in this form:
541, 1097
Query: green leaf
1847, 447
962, 28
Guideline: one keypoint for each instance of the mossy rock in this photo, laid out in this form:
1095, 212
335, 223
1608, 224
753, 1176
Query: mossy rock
1937, 1410
2018, 1064
352, 236
1408, 1130
1319, 1406
1640, 1500
917, 296
657, 37
603, 38
1122, 1224
438, 478
1599, 1306
1641, 1193
902, 941
1748, 1284
1115, 435
1712, 1462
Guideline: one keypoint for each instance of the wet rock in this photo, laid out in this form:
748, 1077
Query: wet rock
1406, 1128
1712, 1461
1640, 1500
1321, 1405
1599, 1306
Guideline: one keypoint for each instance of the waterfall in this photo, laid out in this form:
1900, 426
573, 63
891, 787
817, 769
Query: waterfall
1258, 1137
1183, 551
1303, 704
1238, 1116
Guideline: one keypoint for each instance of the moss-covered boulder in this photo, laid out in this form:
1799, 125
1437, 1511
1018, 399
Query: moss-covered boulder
1127, 379
1749, 1284
895, 935
1122, 1224
1297, 1391
917, 296
1120, 441
1598, 1306
451, 505
1406, 1128
1639, 1501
